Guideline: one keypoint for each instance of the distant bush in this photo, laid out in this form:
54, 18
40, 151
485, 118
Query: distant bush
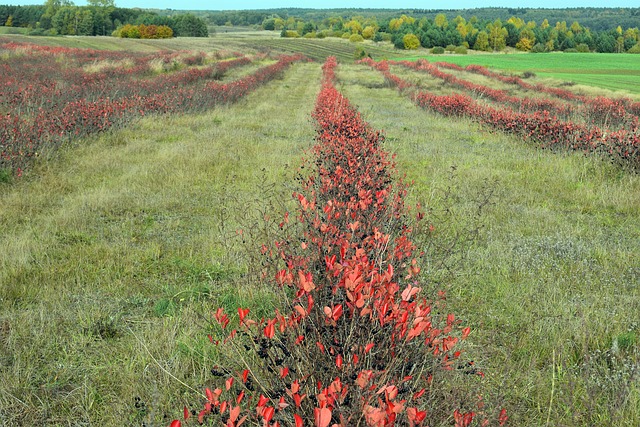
538, 48
144, 32
571, 50
583, 48
360, 53
450, 48
438, 50
356, 38
290, 34
460, 50
311, 35
528, 74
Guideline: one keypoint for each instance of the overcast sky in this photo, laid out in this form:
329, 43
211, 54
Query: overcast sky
329, 4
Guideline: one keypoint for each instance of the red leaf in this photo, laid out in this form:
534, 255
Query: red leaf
322, 416
466, 332
298, 420
502, 419
336, 312
234, 413
186, 413
262, 401
270, 330
339, 361
242, 313
229, 383
409, 292
284, 372
306, 281
175, 423
281, 403
368, 347
268, 412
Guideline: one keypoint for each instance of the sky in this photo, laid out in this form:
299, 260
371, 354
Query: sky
330, 4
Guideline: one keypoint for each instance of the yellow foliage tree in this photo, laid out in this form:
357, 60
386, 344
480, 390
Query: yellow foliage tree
575, 27
497, 35
354, 26
482, 41
517, 22
394, 24
524, 44
411, 41
440, 20
368, 32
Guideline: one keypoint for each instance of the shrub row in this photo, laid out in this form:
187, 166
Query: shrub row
600, 111
600, 105
355, 342
39, 120
621, 147
35, 79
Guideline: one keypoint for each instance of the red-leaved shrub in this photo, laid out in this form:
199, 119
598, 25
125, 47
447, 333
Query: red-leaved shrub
355, 341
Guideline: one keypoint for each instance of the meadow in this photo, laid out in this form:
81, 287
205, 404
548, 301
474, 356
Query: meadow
117, 245
608, 71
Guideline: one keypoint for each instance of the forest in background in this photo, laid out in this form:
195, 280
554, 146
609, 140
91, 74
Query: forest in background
99, 18
597, 19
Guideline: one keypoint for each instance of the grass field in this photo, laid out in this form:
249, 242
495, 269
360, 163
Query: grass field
114, 253
619, 72
553, 280
129, 254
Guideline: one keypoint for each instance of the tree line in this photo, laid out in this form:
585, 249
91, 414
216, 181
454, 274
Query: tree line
408, 32
597, 19
98, 18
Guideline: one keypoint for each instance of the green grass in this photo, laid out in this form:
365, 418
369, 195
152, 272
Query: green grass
605, 70
113, 254
554, 279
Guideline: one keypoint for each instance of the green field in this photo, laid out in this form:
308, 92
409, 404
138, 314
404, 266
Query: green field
618, 72
114, 252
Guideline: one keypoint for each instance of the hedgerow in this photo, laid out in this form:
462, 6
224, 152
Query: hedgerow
355, 341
